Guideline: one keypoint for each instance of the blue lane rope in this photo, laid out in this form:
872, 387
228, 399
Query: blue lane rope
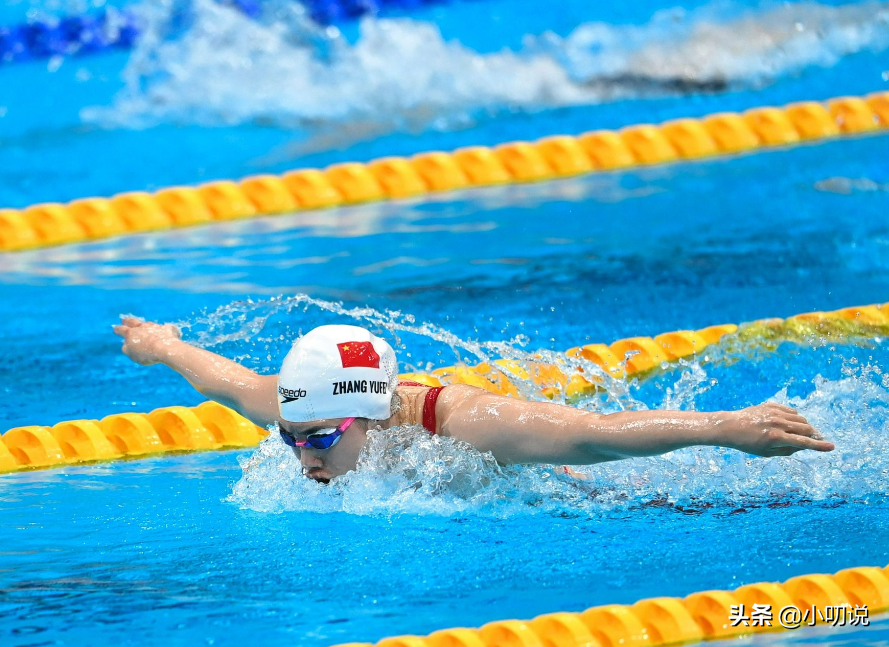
92, 33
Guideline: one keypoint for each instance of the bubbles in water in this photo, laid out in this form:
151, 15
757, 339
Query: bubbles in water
221, 67
405, 470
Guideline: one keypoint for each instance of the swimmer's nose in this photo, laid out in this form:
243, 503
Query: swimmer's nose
310, 459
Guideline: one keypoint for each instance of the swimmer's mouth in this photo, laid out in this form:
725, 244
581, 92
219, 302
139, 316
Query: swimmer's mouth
315, 475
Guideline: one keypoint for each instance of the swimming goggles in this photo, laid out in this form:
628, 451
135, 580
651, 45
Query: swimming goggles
324, 439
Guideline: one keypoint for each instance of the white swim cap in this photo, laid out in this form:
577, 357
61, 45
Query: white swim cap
337, 372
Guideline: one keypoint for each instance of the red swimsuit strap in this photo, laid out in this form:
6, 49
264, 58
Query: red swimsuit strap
429, 409
432, 393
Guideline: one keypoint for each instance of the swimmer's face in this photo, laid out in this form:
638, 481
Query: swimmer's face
324, 464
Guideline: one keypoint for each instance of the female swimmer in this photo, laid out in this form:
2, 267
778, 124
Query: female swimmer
337, 382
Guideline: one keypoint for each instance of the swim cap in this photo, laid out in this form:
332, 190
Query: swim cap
337, 372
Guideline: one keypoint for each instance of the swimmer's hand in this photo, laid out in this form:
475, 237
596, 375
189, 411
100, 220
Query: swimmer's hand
770, 429
145, 342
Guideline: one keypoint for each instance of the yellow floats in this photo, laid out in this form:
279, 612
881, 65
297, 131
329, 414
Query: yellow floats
669, 621
638, 355
207, 426
396, 177
212, 426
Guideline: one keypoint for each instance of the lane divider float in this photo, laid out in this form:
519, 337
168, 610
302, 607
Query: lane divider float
387, 178
170, 429
667, 621
211, 426
637, 356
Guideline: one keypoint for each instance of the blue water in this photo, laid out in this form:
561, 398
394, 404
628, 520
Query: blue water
187, 549
152, 551
104, 124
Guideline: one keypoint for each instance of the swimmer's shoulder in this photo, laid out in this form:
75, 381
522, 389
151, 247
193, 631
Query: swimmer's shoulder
448, 395
452, 400
412, 400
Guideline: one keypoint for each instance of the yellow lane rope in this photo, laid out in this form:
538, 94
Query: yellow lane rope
397, 177
639, 355
848, 597
212, 426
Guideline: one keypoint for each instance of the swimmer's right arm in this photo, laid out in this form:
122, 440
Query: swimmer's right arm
220, 379
516, 431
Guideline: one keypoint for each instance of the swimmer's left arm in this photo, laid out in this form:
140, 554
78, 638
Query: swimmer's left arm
516, 431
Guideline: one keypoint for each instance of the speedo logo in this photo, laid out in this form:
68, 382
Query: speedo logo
360, 386
291, 395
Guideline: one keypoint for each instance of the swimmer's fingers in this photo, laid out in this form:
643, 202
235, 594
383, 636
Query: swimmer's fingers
785, 414
795, 417
131, 322
780, 407
792, 440
784, 408
123, 331
802, 429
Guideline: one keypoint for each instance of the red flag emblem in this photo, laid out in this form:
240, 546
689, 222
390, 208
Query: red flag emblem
358, 353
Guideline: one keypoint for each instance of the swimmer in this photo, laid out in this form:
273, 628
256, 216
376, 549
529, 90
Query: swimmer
338, 382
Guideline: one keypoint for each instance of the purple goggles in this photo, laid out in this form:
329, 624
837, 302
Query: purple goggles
323, 439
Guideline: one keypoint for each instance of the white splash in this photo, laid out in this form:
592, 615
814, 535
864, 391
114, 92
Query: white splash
225, 68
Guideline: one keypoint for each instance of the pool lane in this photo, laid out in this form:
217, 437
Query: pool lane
132, 552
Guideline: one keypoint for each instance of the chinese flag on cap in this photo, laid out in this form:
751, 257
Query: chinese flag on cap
358, 353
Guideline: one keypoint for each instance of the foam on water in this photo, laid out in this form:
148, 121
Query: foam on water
405, 470
224, 68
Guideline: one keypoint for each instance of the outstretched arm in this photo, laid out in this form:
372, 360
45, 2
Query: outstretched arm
540, 432
250, 394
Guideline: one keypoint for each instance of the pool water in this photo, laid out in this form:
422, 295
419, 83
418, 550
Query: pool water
167, 549
223, 547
